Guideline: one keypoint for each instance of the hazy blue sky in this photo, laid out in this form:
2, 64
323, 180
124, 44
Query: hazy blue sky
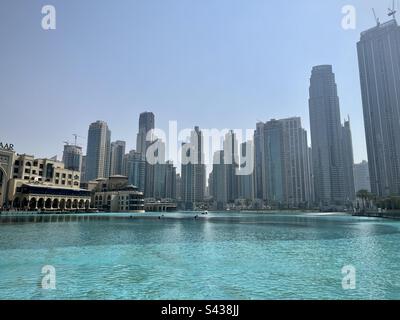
212, 63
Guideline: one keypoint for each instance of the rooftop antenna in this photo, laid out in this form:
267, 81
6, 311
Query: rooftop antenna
392, 11
376, 18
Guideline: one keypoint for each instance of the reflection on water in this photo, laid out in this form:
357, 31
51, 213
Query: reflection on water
219, 256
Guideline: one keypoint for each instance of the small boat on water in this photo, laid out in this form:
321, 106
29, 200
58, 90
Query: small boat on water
205, 212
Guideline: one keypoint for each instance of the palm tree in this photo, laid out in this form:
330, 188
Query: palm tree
364, 195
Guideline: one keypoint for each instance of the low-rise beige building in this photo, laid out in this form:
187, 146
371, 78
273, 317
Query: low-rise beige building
44, 184
116, 195
6, 168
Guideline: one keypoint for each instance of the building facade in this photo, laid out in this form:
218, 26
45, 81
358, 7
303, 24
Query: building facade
72, 157
146, 124
231, 164
164, 181
98, 151
45, 184
299, 190
7, 155
117, 157
361, 177
379, 66
348, 162
219, 184
193, 170
246, 181
282, 168
135, 169
326, 138
258, 166
115, 194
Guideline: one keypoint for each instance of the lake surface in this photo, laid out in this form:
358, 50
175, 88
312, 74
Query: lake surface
219, 256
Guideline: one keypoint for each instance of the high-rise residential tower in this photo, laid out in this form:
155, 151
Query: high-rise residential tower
146, 124
246, 181
193, 170
273, 163
284, 171
299, 189
231, 155
219, 180
98, 151
326, 137
379, 66
117, 157
348, 161
258, 167
135, 169
83, 169
361, 177
72, 157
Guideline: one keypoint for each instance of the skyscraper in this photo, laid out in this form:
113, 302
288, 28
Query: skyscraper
178, 186
379, 64
72, 157
299, 189
117, 157
83, 169
326, 137
273, 163
348, 161
134, 168
146, 124
361, 177
231, 155
219, 180
246, 182
258, 167
193, 170
170, 181
98, 151
284, 171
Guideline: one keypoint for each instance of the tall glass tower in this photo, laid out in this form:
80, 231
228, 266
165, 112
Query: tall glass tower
326, 137
146, 123
379, 64
117, 157
98, 151
72, 157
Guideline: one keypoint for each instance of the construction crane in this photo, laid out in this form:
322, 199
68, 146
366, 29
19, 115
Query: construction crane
392, 11
376, 18
76, 136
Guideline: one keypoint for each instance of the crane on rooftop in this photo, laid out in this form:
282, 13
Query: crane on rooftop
392, 11
76, 136
376, 18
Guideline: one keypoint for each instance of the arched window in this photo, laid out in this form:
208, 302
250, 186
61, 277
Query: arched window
48, 203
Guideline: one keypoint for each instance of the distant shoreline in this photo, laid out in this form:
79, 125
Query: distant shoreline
395, 215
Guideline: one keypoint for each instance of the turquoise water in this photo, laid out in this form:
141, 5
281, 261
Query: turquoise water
219, 256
